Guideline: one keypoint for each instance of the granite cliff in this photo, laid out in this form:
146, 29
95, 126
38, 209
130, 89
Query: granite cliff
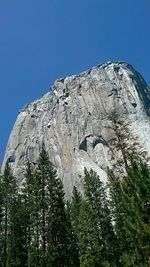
72, 120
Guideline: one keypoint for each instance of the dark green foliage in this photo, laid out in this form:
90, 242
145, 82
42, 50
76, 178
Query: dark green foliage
114, 230
13, 223
75, 205
95, 193
90, 251
9, 203
35, 227
28, 209
51, 214
72, 241
130, 207
84, 225
50, 230
92, 223
19, 244
73, 213
104, 227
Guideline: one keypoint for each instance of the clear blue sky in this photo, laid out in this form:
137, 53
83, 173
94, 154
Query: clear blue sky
42, 40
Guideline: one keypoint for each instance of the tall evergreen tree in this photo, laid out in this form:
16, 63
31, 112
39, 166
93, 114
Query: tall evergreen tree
96, 196
125, 188
137, 188
50, 236
36, 223
8, 198
131, 200
75, 205
29, 204
72, 241
19, 237
89, 242
52, 221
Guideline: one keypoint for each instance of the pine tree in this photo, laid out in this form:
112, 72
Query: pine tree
36, 223
124, 190
19, 218
57, 224
96, 196
50, 236
125, 145
137, 191
51, 221
74, 207
75, 204
90, 250
72, 241
29, 203
8, 197
130, 199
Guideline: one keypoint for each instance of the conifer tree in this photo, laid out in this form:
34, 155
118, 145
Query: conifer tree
136, 189
28, 196
52, 225
125, 145
36, 223
89, 243
72, 241
50, 236
9, 195
57, 224
19, 221
96, 196
75, 204
130, 198
74, 213
126, 190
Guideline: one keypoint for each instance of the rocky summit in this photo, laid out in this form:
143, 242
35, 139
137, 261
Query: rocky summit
73, 121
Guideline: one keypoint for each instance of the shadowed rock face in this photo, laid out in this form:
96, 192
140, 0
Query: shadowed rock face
72, 120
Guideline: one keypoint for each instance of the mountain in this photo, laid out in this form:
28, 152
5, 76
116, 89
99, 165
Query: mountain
73, 121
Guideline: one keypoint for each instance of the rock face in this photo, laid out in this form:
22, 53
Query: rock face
72, 121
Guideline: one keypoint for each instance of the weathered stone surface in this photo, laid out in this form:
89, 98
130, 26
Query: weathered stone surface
72, 121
